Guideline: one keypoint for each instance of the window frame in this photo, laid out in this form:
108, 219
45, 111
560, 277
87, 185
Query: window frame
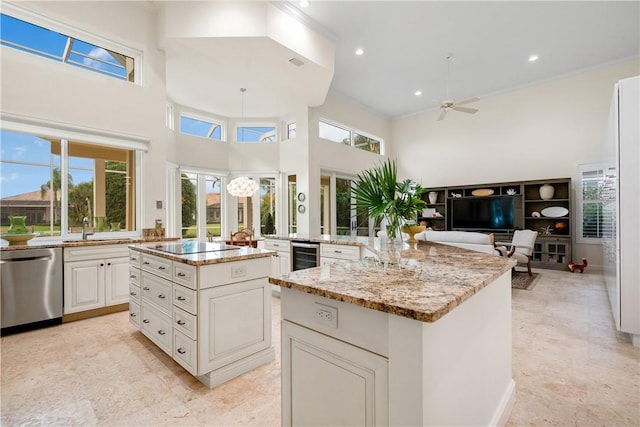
352, 134
205, 119
601, 170
201, 200
37, 19
239, 125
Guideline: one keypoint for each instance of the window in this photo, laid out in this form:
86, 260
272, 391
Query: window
256, 133
291, 130
267, 205
343, 135
96, 181
200, 127
37, 40
201, 190
337, 213
593, 220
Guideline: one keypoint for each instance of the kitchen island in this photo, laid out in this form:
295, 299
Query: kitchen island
414, 336
207, 305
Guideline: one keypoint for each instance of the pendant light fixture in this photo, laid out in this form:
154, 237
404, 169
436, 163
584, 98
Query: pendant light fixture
242, 186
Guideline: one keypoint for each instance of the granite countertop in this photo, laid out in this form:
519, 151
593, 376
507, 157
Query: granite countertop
238, 253
53, 243
325, 238
423, 281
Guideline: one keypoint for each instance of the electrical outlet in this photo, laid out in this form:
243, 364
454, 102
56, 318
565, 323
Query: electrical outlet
238, 270
158, 204
327, 315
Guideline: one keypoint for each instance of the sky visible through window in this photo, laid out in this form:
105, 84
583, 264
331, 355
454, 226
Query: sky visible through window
40, 41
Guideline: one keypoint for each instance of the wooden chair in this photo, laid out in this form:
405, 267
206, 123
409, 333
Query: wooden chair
242, 238
520, 248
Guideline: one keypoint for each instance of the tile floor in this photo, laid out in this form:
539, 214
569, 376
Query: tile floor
569, 364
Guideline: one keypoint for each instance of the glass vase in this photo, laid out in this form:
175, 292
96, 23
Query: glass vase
18, 225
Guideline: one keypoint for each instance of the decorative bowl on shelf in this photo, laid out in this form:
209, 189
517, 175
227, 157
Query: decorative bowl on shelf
554, 211
18, 239
482, 192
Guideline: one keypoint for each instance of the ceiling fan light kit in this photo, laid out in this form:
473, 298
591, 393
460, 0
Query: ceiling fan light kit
450, 104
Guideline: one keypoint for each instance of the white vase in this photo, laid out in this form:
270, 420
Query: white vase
546, 192
433, 197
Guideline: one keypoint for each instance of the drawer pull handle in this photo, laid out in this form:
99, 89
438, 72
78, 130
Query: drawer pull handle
161, 296
181, 322
146, 288
182, 299
134, 258
146, 321
337, 251
133, 294
132, 314
146, 263
132, 276
181, 274
181, 351
162, 267
161, 332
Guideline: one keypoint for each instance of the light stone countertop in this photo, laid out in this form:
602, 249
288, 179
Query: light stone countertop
239, 253
325, 238
65, 243
423, 281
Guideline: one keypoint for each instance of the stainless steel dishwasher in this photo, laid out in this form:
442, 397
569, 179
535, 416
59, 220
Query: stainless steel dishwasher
31, 284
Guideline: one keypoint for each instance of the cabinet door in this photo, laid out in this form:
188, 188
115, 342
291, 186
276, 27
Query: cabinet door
116, 280
316, 368
84, 285
234, 321
285, 262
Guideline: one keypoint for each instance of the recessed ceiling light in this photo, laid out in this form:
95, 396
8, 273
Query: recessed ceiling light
418, 93
533, 58
359, 51
304, 3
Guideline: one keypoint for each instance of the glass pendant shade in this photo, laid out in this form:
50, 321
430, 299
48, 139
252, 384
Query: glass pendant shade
242, 187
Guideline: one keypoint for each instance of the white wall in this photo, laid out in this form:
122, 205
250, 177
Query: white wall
47, 90
541, 131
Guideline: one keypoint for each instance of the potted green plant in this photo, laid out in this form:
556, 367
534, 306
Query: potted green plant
378, 193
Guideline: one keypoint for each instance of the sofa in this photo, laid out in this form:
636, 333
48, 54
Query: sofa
479, 242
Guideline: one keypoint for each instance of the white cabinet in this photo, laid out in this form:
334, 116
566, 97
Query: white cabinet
281, 262
213, 319
331, 254
333, 372
95, 277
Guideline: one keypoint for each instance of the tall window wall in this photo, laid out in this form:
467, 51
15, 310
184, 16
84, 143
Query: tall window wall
56, 183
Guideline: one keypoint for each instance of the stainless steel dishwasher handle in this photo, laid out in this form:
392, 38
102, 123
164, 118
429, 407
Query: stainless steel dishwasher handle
32, 258
304, 245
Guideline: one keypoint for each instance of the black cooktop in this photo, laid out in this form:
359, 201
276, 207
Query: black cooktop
193, 247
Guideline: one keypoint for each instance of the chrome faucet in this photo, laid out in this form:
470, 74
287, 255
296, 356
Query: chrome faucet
85, 223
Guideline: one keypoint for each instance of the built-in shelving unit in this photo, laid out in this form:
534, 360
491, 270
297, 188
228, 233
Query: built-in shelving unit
553, 246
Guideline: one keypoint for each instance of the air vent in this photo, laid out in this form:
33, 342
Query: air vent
296, 62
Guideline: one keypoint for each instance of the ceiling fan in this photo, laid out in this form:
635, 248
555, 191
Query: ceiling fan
450, 104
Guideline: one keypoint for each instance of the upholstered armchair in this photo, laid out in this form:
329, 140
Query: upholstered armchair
520, 248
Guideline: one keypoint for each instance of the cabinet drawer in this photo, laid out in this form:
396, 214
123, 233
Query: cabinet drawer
157, 291
134, 275
232, 272
157, 327
134, 314
185, 323
277, 245
185, 298
135, 293
346, 252
185, 274
134, 258
80, 253
184, 352
156, 265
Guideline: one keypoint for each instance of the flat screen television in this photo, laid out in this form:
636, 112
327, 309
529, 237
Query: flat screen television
483, 213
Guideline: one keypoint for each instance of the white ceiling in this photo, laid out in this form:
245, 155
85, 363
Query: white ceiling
405, 44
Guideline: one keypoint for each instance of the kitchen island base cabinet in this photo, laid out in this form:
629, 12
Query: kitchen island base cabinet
453, 371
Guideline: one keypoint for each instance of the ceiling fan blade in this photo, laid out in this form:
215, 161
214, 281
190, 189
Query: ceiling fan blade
468, 101
441, 116
465, 109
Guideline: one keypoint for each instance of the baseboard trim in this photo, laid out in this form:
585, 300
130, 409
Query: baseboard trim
72, 317
503, 411
237, 368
